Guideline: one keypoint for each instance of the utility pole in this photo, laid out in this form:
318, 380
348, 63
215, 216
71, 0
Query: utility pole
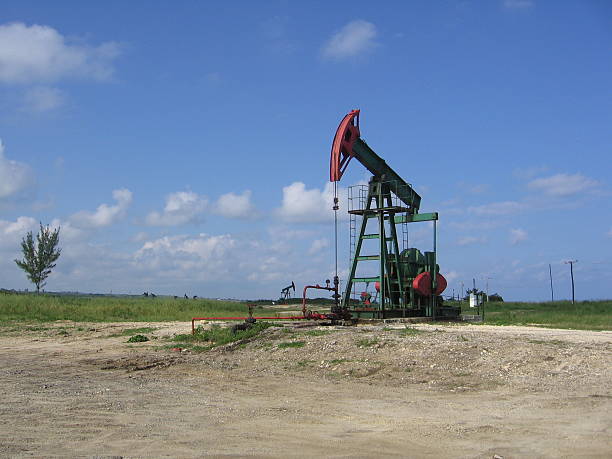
552, 293
571, 263
462, 295
487, 280
476, 295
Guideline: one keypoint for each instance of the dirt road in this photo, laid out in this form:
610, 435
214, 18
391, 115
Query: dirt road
458, 391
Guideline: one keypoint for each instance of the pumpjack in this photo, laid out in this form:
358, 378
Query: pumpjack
408, 281
286, 291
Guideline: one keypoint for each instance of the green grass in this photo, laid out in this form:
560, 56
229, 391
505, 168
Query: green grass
366, 342
217, 336
584, 315
83, 308
407, 331
133, 331
289, 344
137, 339
338, 361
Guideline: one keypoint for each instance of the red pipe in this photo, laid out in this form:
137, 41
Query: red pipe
304, 311
307, 315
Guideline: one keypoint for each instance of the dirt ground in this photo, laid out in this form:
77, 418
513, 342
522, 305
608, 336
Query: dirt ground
74, 389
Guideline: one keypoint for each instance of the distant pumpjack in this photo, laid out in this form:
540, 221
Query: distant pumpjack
286, 292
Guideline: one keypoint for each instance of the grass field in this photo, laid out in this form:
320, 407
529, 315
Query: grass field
584, 315
83, 308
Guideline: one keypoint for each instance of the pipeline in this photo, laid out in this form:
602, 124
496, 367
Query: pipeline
304, 310
307, 315
193, 320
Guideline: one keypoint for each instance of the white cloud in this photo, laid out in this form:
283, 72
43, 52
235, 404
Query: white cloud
68, 232
203, 254
518, 4
22, 224
202, 245
15, 177
560, 185
42, 99
609, 233
517, 236
301, 205
233, 205
12, 232
318, 245
451, 276
104, 215
470, 240
497, 208
37, 53
354, 38
210, 259
181, 207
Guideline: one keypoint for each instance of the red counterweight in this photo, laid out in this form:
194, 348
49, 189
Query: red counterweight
422, 283
342, 146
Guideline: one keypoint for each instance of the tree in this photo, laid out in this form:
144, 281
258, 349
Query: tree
496, 297
39, 258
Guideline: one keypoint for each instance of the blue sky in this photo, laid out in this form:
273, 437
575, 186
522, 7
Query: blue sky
183, 147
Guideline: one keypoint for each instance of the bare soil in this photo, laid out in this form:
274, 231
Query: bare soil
74, 389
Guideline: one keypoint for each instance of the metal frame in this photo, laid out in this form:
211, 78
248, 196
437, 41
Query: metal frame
383, 204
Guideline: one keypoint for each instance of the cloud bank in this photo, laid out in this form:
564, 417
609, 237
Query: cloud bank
105, 214
231, 205
38, 53
301, 205
181, 207
561, 185
15, 177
